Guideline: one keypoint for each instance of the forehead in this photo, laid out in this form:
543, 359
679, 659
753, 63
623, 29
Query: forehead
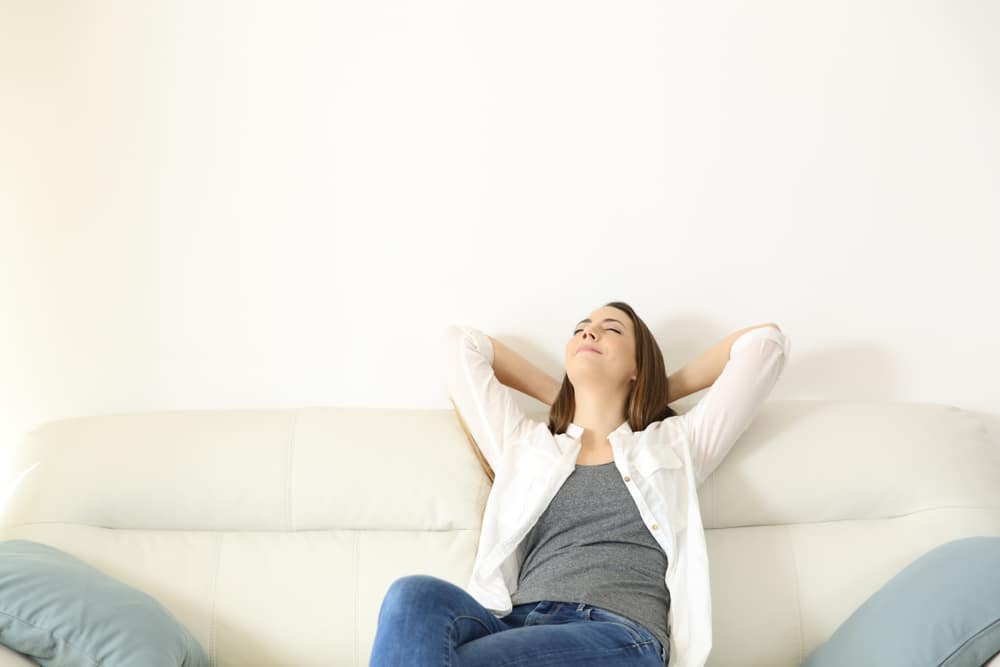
601, 313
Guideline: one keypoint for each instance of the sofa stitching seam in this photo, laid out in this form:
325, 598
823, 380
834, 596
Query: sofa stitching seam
215, 598
798, 594
357, 585
290, 457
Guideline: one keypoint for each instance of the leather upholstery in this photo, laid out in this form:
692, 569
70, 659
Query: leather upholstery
273, 534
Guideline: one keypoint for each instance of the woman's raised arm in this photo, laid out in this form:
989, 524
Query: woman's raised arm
705, 369
518, 373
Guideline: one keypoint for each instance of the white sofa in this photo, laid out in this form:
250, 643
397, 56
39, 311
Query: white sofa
274, 534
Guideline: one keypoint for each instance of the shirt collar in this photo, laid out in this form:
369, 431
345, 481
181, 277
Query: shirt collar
575, 430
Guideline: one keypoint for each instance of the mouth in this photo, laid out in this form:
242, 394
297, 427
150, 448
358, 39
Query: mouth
587, 349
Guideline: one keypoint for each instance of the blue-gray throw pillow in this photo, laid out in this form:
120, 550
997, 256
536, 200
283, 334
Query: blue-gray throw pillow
941, 610
62, 612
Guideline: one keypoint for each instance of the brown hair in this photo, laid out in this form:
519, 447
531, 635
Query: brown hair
646, 402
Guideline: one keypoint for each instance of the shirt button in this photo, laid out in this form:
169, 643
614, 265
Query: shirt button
654, 526
627, 478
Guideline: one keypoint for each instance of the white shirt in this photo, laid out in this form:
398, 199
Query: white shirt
662, 466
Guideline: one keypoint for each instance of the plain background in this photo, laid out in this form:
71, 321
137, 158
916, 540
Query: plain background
279, 203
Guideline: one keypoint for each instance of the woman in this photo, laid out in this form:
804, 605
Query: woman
574, 560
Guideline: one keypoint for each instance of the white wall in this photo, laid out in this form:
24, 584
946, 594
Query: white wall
276, 204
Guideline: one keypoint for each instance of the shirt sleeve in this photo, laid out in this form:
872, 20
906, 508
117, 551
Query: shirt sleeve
756, 360
485, 405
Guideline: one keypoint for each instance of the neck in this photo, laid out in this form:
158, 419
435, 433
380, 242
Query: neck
598, 414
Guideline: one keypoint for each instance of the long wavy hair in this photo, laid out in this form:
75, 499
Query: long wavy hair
647, 400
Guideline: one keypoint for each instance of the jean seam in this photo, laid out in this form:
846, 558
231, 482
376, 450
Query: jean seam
553, 654
451, 628
636, 641
639, 635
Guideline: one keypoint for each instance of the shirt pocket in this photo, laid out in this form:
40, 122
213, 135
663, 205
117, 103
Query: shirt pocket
663, 472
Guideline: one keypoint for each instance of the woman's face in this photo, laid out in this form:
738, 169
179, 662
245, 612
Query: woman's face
611, 333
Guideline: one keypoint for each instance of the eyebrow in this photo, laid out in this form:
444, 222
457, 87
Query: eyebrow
604, 320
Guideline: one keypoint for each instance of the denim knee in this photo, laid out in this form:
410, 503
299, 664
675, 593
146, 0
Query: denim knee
412, 588
413, 584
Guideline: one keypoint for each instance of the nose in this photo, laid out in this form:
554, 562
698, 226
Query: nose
587, 329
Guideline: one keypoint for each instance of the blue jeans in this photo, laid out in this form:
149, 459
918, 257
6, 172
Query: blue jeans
429, 622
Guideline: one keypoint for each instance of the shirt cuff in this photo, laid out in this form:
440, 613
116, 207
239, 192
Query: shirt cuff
478, 341
769, 333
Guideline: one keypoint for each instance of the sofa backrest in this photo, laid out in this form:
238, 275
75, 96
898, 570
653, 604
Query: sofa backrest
271, 534
274, 534
821, 502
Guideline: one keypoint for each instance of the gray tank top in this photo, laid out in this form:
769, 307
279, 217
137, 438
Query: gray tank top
591, 545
